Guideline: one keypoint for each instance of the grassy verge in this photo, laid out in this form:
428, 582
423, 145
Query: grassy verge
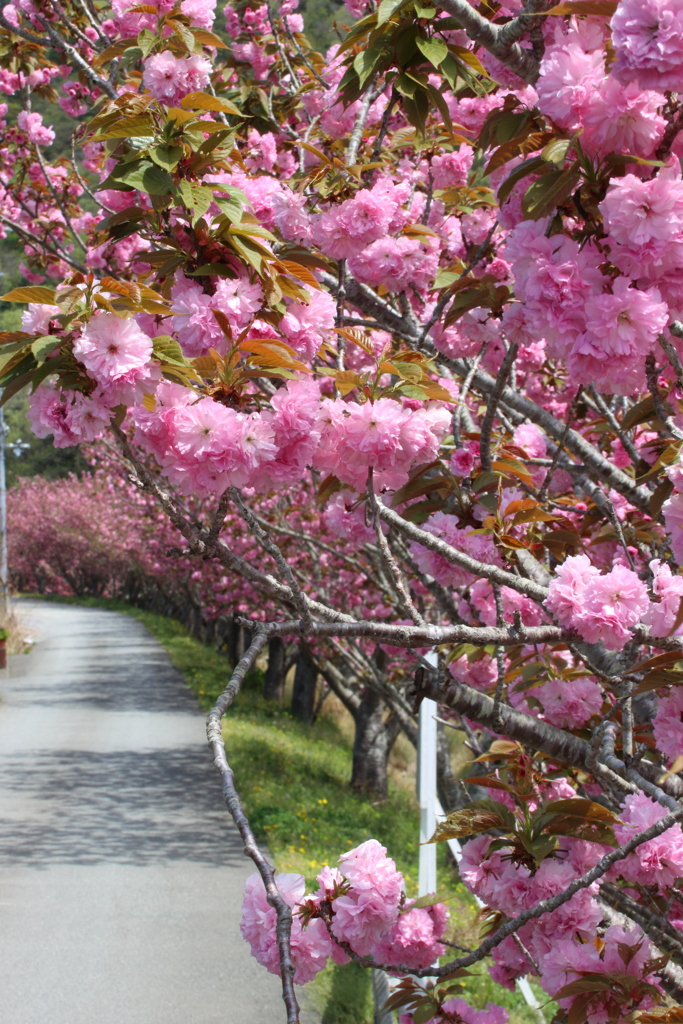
293, 781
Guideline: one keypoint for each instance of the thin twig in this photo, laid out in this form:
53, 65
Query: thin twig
214, 733
392, 565
492, 406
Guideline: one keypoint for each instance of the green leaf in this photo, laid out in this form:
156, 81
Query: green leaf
167, 157
550, 190
139, 126
168, 350
365, 62
204, 101
442, 106
556, 151
144, 176
15, 385
640, 412
387, 8
197, 198
620, 159
146, 41
212, 270
536, 163
430, 900
423, 1013
231, 206
31, 293
44, 371
477, 816
42, 347
435, 50
416, 109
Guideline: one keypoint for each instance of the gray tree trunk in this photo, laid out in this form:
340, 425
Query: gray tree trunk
303, 694
274, 683
372, 745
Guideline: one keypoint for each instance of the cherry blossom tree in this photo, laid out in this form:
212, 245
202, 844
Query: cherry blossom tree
411, 308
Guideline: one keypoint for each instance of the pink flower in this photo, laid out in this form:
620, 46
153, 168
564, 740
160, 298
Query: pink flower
414, 938
345, 230
673, 517
623, 119
239, 299
481, 600
624, 953
554, 278
397, 263
306, 326
444, 527
69, 416
648, 41
311, 945
668, 724
481, 673
569, 703
567, 83
462, 462
370, 908
495, 880
291, 216
566, 591
621, 329
200, 12
37, 132
194, 323
262, 152
532, 439
644, 222
205, 447
169, 78
111, 348
660, 617
612, 605
344, 517
36, 319
451, 170
380, 434
295, 435
659, 861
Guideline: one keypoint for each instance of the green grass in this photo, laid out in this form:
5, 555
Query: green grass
293, 781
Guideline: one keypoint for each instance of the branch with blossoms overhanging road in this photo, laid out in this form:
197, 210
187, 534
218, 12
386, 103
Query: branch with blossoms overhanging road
391, 335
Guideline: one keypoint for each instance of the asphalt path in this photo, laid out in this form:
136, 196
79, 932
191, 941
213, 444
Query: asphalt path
120, 874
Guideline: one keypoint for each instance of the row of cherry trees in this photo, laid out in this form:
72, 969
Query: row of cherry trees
99, 535
393, 334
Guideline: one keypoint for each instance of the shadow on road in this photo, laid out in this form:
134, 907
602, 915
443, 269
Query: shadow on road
113, 664
132, 807
97, 761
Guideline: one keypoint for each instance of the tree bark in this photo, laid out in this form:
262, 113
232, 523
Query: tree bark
303, 694
274, 683
238, 641
372, 745
452, 795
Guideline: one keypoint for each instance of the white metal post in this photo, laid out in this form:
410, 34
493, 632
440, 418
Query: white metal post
426, 789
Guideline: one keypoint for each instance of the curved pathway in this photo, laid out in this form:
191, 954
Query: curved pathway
120, 875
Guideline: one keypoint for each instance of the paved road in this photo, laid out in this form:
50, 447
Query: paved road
120, 877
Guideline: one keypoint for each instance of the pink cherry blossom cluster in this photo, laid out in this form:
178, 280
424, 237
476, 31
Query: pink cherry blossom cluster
360, 905
600, 607
170, 78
